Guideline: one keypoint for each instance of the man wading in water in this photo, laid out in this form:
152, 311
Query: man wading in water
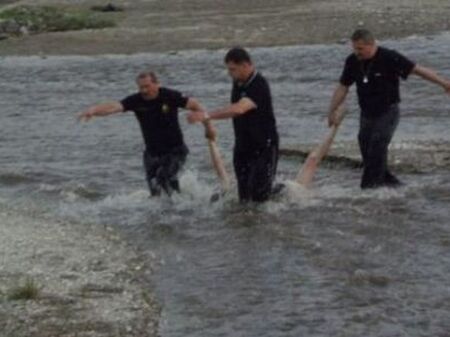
255, 154
376, 71
156, 109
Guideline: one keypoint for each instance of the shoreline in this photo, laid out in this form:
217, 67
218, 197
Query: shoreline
43, 56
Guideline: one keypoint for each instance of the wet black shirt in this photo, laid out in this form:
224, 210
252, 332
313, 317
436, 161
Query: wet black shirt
377, 79
158, 119
256, 129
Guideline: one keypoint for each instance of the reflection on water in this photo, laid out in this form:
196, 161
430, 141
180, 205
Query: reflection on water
330, 261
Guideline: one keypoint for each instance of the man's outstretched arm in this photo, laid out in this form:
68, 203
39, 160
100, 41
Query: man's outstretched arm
98, 110
241, 107
430, 75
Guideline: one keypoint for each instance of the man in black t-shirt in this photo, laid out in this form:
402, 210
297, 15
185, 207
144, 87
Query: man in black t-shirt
376, 72
255, 154
156, 109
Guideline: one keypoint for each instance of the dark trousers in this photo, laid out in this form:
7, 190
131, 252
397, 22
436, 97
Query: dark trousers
161, 170
375, 134
255, 172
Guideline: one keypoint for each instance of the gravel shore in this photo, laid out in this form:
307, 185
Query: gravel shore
88, 281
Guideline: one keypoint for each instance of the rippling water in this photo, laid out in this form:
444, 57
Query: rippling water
331, 261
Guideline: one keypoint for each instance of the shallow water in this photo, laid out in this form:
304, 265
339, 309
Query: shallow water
331, 261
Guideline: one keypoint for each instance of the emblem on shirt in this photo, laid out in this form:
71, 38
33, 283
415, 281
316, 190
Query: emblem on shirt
165, 108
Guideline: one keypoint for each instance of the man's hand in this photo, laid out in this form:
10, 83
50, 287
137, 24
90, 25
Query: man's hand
334, 118
197, 116
86, 115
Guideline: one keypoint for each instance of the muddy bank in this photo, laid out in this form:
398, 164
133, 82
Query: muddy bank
147, 26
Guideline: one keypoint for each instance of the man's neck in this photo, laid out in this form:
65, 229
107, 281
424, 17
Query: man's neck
248, 77
374, 52
151, 97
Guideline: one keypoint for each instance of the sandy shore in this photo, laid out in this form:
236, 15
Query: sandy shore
91, 282
150, 25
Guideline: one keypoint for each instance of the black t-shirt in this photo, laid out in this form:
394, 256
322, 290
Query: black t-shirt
377, 79
158, 119
256, 129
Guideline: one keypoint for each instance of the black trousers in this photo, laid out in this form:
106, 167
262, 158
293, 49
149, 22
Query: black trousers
161, 170
255, 172
375, 134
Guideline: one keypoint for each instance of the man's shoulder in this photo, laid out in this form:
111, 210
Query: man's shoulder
351, 58
134, 96
260, 77
259, 81
132, 99
388, 53
168, 92
132, 102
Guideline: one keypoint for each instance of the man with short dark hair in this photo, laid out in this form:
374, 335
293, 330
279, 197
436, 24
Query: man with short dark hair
156, 109
255, 154
376, 71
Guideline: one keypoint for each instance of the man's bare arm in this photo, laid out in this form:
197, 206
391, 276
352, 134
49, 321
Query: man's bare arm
430, 75
241, 107
194, 105
335, 115
103, 109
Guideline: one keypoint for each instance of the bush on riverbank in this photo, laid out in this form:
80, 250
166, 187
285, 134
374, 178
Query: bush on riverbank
39, 19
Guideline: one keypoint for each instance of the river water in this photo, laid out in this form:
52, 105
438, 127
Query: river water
329, 261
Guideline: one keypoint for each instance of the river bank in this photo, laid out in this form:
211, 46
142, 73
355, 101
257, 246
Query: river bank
148, 26
65, 279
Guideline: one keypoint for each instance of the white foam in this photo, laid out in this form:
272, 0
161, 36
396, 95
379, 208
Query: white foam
48, 188
195, 195
298, 196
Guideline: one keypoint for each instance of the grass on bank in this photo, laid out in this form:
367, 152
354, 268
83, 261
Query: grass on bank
39, 19
28, 290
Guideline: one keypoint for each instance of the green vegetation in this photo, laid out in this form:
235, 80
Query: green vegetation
29, 290
39, 19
